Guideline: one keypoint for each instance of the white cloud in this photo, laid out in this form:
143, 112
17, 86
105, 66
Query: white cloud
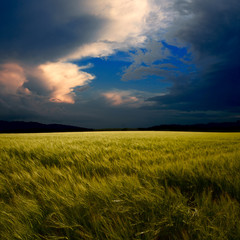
125, 24
61, 79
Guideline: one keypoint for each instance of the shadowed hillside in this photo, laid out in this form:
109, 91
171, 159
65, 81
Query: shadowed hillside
209, 127
34, 127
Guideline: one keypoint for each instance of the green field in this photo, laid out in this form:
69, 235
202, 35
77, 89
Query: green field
120, 185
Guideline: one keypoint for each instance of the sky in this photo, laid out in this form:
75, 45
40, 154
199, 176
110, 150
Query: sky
121, 63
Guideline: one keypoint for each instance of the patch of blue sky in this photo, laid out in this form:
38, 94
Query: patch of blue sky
181, 58
109, 70
178, 51
106, 70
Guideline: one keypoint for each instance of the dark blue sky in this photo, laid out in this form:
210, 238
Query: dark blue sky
120, 63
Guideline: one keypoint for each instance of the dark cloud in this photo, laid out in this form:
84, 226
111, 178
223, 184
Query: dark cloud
212, 30
38, 31
19, 107
211, 27
203, 69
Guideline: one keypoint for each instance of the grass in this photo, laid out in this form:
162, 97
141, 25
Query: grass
120, 185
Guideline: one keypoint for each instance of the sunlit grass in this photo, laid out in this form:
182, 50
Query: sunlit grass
120, 185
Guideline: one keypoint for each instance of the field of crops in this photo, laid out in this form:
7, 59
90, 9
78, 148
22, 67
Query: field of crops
120, 186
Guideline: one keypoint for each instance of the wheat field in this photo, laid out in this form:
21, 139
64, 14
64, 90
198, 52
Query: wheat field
120, 186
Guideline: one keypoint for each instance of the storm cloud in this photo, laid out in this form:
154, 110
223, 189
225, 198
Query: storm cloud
190, 47
39, 31
42, 37
211, 31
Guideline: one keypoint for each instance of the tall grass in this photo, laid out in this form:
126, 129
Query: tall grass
120, 185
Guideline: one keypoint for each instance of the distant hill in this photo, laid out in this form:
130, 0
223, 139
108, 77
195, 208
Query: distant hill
209, 127
35, 127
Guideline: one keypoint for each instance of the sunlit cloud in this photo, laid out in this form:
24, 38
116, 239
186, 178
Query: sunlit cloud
120, 98
12, 79
126, 18
132, 99
61, 79
125, 24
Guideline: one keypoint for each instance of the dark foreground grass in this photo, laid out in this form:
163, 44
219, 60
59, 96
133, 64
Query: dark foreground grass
129, 185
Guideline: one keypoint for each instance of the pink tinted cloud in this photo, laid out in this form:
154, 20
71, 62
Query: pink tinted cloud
117, 98
61, 78
12, 79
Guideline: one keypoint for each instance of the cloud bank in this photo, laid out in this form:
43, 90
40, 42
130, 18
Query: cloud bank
206, 77
193, 45
41, 37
